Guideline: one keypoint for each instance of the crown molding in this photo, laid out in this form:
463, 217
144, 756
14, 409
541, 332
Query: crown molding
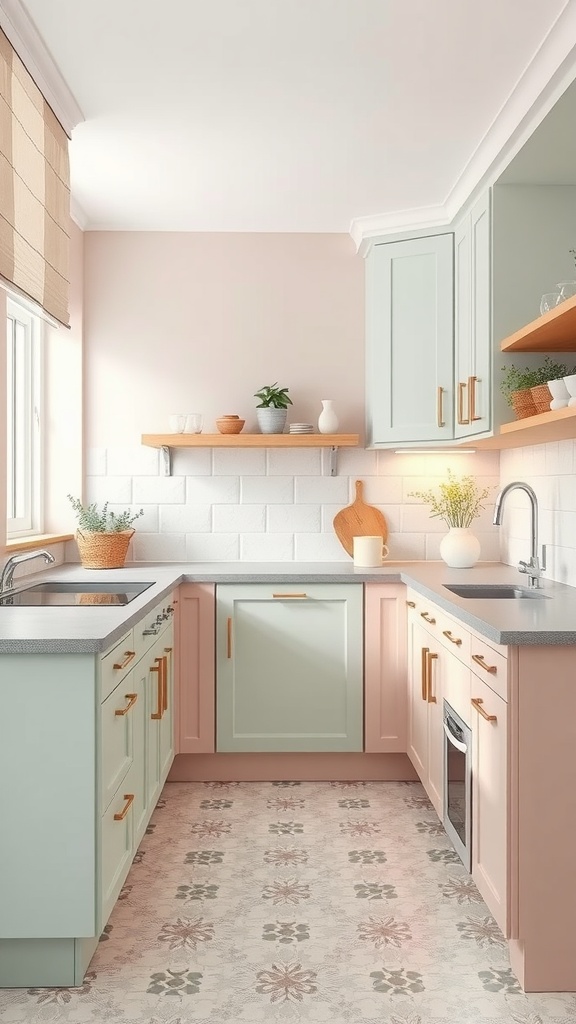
546, 77
31, 48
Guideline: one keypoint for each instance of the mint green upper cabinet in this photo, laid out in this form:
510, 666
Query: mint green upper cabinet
409, 341
472, 311
289, 667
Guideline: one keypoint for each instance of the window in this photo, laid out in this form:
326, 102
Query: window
23, 373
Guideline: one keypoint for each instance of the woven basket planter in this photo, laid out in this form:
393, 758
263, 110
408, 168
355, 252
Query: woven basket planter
541, 397
103, 550
523, 403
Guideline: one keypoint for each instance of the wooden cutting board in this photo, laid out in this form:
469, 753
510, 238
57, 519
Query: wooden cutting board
359, 520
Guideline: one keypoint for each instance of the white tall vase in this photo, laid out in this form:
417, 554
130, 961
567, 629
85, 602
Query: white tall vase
459, 548
327, 420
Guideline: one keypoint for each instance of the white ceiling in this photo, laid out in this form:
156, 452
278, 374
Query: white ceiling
280, 115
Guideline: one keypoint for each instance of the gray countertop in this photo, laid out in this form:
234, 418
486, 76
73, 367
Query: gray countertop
91, 629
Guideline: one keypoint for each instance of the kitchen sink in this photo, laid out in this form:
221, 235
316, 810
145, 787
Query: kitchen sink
494, 591
70, 595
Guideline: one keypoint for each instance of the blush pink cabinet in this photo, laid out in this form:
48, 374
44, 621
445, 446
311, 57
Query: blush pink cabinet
425, 694
195, 673
385, 697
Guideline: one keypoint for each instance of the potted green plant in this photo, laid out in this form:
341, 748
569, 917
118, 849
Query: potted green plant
103, 536
458, 503
272, 408
526, 390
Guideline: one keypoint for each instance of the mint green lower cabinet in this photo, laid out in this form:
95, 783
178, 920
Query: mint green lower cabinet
289, 667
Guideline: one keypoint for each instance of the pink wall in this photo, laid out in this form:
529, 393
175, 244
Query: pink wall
179, 322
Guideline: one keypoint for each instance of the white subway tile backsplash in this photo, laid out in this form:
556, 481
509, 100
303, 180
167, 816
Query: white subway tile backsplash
380, 490
239, 462
117, 489
186, 519
417, 519
134, 461
267, 490
239, 518
293, 518
192, 461
319, 547
355, 462
159, 547
317, 490
212, 490
406, 546
148, 523
294, 462
96, 462
161, 490
212, 547
267, 547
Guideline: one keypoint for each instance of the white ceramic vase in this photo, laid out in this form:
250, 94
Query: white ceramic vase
459, 548
559, 392
327, 420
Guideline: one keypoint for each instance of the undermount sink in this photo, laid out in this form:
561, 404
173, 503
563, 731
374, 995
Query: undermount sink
72, 595
494, 591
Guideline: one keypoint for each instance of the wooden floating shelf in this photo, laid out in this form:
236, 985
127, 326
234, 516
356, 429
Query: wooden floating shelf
556, 425
250, 440
554, 331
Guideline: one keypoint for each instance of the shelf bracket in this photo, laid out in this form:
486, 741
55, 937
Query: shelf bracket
166, 460
332, 460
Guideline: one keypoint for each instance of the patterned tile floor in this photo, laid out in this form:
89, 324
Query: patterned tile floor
263, 902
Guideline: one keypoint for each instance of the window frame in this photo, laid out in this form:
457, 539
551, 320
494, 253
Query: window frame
24, 421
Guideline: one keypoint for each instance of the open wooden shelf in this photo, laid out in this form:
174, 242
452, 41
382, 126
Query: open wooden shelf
554, 331
250, 440
556, 425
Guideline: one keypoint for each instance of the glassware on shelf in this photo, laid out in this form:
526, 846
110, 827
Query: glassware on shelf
548, 301
566, 289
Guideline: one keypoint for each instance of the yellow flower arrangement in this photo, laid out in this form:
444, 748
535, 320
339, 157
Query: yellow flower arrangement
459, 500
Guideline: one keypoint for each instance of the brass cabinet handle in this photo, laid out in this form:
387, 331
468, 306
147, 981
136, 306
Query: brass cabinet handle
439, 407
129, 798
428, 618
472, 381
411, 604
477, 702
479, 659
453, 639
128, 655
424, 673
229, 638
131, 698
168, 652
461, 386
430, 657
156, 715
290, 596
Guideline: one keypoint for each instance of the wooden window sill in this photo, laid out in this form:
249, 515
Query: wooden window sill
40, 540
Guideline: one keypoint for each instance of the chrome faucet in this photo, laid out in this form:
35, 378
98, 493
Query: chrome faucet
8, 570
533, 567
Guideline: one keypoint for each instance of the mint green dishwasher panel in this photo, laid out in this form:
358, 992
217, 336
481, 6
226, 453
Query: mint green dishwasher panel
289, 667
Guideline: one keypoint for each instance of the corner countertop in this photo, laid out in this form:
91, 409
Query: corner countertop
92, 629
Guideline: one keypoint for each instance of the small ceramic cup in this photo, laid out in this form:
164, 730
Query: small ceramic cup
194, 423
559, 393
369, 552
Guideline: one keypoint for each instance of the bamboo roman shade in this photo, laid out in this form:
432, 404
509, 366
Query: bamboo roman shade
34, 190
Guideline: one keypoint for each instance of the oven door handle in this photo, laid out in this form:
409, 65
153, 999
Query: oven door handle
459, 746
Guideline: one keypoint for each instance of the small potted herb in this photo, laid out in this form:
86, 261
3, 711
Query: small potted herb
526, 390
103, 536
272, 408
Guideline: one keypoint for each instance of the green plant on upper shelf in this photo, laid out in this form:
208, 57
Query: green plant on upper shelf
99, 520
459, 500
515, 379
273, 397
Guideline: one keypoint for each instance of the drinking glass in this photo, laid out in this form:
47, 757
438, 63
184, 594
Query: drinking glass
566, 289
194, 423
548, 301
177, 422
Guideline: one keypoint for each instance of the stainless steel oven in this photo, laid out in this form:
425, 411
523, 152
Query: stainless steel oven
458, 784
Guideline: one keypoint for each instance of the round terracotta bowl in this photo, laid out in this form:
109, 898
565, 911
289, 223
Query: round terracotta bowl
230, 424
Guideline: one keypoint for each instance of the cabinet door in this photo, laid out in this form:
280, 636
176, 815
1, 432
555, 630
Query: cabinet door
409, 340
489, 799
473, 336
385, 695
418, 645
154, 706
437, 666
289, 667
166, 723
196, 683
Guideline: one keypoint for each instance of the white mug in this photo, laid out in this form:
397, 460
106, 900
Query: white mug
369, 552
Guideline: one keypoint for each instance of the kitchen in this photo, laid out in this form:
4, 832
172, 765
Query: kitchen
156, 293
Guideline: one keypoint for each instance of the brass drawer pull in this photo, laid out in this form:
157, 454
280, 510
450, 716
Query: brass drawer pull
430, 657
479, 659
411, 604
131, 698
428, 618
129, 798
453, 639
229, 638
128, 655
424, 670
168, 652
472, 381
461, 419
477, 702
439, 407
291, 596
156, 715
